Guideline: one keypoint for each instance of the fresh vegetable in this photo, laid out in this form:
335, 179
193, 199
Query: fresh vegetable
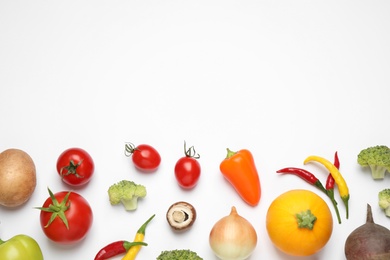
66, 217
17, 177
384, 201
187, 168
20, 247
305, 175
329, 186
310, 178
233, 237
145, 157
179, 254
181, 216
342, 185
330, 182
75, 166
299, 222
116, 248
377, 158
240, 170
369, 241
126, 192
139, 237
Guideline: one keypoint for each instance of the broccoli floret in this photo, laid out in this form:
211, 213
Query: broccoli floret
179, 254
127, 193
377, 158
384, 201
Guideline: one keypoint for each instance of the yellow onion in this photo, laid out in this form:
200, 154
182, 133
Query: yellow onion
233, 237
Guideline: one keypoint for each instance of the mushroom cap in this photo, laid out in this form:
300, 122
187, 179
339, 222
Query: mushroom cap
181, 216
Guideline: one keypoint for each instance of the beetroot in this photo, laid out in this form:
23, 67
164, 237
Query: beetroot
370, 241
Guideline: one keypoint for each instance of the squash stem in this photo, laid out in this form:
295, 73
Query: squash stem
306, 219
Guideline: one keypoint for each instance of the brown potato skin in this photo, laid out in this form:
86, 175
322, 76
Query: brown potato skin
17, 177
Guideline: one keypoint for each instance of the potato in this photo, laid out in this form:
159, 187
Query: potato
17, 177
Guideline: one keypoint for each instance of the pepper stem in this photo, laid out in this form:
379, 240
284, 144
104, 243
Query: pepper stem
330, 194
345, 200
319, 185
306, 219
127, 244
142, 229
230, 153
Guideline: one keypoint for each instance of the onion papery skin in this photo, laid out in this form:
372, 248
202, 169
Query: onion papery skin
233, 237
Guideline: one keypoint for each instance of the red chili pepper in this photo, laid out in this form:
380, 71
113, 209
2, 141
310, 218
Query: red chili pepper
116, 248
310, 178
305, 175
330, 182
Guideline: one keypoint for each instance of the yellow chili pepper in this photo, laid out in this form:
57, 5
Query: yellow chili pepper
342, 185
139, 237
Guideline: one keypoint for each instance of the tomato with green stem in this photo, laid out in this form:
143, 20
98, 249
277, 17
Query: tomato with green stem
75, 166
66, 217
187, 168
145, 157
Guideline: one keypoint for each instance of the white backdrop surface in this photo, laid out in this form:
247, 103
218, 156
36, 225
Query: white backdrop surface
284, 79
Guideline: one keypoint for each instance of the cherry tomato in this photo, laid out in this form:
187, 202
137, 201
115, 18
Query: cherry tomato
66, 217
145, 157
75, 166
187, 169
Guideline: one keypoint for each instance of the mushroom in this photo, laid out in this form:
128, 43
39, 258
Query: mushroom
181, 215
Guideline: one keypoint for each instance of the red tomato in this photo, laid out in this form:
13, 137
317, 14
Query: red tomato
145, 157
78, 216
75, 166
187, 169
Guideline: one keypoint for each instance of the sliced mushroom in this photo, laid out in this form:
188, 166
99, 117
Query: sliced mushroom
181, 215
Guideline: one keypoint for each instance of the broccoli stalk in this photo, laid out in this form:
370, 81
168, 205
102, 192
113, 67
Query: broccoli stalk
384, 201
179, 254
378, 172
377, 158
127, 193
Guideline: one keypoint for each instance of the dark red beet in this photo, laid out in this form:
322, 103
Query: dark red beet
370, 241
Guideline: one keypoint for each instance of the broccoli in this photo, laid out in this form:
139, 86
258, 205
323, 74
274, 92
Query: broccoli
384, 201
179, 254
127, 193
377, 158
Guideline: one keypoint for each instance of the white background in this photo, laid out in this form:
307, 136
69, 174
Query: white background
284, 79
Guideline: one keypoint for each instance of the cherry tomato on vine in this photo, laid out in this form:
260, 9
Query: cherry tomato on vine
75, 166
66, 217
145, 157
187, 169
